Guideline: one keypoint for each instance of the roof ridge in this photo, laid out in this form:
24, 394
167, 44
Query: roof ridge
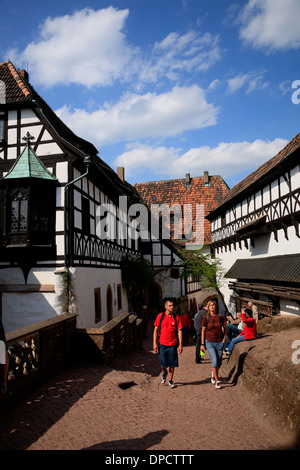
177, 179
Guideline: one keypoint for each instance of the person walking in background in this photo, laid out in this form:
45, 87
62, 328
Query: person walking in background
213, 337
168, 331
249, 331
198, 327
186, 324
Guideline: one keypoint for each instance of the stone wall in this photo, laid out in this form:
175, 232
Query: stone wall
268, 368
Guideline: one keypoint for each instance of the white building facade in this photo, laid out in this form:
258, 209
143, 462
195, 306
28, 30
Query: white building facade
256, 235
53, 184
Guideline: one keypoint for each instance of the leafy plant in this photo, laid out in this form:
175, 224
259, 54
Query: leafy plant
204, 266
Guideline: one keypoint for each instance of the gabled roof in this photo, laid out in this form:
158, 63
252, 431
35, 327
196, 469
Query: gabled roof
207, 190
28, 165
259, 176
19, 90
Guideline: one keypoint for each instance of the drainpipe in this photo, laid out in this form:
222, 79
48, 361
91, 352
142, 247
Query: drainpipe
87, 161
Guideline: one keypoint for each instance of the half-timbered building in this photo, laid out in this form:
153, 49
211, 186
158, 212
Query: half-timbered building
183, 204
255, 232
53, 185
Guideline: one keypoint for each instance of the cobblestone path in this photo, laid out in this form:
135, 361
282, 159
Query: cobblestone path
126, 408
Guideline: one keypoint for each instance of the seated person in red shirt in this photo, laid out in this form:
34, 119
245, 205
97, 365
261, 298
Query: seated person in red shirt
249, 331
166, 331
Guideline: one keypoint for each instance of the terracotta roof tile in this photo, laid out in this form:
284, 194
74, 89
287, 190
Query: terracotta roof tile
16, 88
178, 191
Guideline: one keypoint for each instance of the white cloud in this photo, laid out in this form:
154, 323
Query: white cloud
137, 116
90, 48
177, 54
271, 24
252, 81
226, 159
87, 47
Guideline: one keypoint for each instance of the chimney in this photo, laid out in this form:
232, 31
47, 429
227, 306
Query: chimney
24, 74
187, 180
206, 178
121, 173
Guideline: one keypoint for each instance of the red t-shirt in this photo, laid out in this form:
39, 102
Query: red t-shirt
168, 335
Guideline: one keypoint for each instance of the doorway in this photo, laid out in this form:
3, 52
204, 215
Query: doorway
109, 303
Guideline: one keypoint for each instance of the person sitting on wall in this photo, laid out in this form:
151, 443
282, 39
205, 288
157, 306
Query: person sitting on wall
254, 310
234, 326
248, 333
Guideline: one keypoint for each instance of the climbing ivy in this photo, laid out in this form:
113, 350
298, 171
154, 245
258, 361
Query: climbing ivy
202, 265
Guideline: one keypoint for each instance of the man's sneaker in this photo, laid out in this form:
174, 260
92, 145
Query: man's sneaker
218, 384
212, 379
163, 378
171, 384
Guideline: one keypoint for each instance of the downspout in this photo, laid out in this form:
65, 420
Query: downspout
87, 161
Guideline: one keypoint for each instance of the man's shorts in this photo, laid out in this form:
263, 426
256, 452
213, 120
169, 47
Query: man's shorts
168, 356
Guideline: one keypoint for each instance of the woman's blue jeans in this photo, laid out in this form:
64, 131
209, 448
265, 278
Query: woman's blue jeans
215, 351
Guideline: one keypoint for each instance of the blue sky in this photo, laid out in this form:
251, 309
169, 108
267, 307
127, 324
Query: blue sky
165, 87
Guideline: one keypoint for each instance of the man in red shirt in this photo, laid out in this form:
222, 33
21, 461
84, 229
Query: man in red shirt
166, 331
249, 331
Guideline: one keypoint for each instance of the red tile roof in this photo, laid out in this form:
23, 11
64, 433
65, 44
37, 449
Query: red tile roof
16, 89
178, 191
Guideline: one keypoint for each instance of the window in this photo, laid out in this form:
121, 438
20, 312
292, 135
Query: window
18, 215
97, 299
1, 127
119, 294
85, 215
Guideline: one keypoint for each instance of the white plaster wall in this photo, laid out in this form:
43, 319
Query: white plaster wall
85, 280
288, 307
170, 287
62, 173
21, 309
28, 117
265, 246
